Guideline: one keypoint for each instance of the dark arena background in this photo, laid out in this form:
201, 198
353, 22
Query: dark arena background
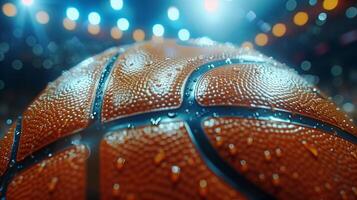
41, 39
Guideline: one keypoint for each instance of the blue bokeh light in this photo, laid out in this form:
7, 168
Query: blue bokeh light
116, 4
72, 13
173, 13
158, 30
184, 34
94, 18
123, 24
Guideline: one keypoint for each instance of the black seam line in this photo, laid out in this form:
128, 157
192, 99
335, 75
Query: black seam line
12, 163
93, 179
99, 93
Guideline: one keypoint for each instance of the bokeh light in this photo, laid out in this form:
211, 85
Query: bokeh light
184, 34
27, 2
42, 17
279, 29
138, 35
329, 4
116, 33
158, 30
72, 13
211, 5
173, 13
123, 24
116, 4
9, 9
351, 12
93, 29
69, 24
94, 18
301, 18
248, 45
261, 39
291, 5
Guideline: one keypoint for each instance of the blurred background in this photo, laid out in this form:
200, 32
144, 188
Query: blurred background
40, 39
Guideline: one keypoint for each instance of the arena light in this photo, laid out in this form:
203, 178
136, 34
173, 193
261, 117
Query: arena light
158, 30
93, 29
69, 24
94, 18
72, 13
211, 5
184, 34
42, 17
173, 13
116, 33
329, 4
9, 10
279, 29
123, 24
301, 18
138, 35
116, 4
261, 39
27, 2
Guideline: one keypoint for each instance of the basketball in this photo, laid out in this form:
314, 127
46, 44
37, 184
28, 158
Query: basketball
169, 119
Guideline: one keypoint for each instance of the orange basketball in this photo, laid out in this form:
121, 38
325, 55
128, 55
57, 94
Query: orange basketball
174, 120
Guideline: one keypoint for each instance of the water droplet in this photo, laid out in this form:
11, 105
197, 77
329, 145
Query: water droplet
232, 149
311, 148
343, 195
120, 163
328, 186
228, 61
175, 173
202, 188
295, 175
354, 190
317, 189
171, 114
160, 156
53, 183
249, 140
42, 165
116, 190
243, 166
276, 179
219, 141
278, 152
267, 155
155, 122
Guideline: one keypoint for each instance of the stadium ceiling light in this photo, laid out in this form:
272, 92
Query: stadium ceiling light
27, 2
94, 18
123, 24
116, 4
184, 34
72, 13
158, 30
173, 13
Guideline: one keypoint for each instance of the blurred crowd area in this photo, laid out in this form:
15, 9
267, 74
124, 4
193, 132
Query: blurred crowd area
40, 39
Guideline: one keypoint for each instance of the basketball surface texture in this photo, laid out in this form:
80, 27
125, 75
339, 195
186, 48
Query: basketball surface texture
180, 120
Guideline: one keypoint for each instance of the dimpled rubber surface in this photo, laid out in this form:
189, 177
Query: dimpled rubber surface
271, 86
63, 107
289, 161
59, 177
157, 162
150, 76
5, 148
